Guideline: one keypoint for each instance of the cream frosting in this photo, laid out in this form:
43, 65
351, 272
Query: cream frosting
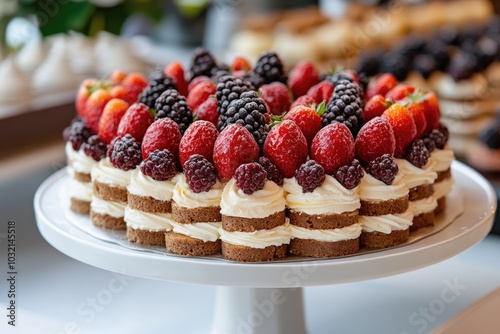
443, 188
442, 158
186, 198
329, 198
153, 222
473, 88
113, 209
386, 223
79, 161
105, 172
333, 235
372, 189
80, 190
423, 205
260, 204
414, 176
258, 239
146, 186
202, 231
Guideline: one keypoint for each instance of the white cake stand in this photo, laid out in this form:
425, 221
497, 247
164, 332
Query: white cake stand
267, 298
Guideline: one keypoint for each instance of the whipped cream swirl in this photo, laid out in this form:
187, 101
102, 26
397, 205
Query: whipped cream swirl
372, 189
443, 188
78, 160
258, 239
145, 186
338, 234
105, 172
187, 198
442, 159
80, 190
386, 223
113, 209
423, 205
153, 222
202, 231
414, 176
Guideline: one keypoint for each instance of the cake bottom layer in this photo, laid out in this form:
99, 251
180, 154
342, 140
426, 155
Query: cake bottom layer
249, 254
107, 221
145, 237
183, 245
422, 220
80, 206
382, 240
441, 206
321, 249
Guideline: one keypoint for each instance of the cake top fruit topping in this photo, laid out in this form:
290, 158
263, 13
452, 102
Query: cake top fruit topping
303, 76
270, 68
199, 138
375, 106
276, 96
350, 175
273, 173
375, 139
158, 82
135, 121
162, 134
250, 177
159, 165
77, 133
229, 88
203, 63
403, 125
174, 106
308, 120
95, 148
110, 119
310, 176
383, 168
200, 173
417, 154
125, 152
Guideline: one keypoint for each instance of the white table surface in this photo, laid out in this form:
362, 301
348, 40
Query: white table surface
56, 293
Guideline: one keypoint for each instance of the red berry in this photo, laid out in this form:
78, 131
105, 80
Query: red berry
239, 74
135, 122
196, 81
276, 97
302, 77
241, 64
403, 125
176, 72
399, 92
417, 111
250, 177
382, 85
162, 134
199, 94
110, 119
234, 146
83, 95
307, 119
199, 138
286, 147
117, 77
333, 147
135, 84
375, 139
321, 91
304, 100
120, 92
207, 111
431, 111
375, 107
94, 107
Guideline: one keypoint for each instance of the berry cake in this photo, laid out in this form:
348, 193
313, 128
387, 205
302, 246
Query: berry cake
257, 164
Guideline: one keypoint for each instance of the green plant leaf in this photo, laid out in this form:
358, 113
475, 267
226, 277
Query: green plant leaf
55, 17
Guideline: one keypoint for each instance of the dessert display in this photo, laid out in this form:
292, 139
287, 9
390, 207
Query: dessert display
255, 163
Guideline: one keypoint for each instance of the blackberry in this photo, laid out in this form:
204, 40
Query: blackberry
486, 52
446, 133
95, 148
159, 165
229, 88
350, 175
200, 173
125, 152
255, 80
417, 154
491, 136
411, 46
383, 168
345, 106
449, 35
173, 105
250, 177
310, 176
425, 65
273, 173
203, 63
440, 53
77, 133
248, 111
158, 82
395, 63
270, 67
219, 71
462, 66
369, 63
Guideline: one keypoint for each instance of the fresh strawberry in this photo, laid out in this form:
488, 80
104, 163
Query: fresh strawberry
135, 84
276, 97
333, 147
136, 121
199, 138
83, 95
321, 91
241, 64
199, 94
208, 111
382, 85
375, 139
302, 77
431, 111
308, 120
418, 113
110, 119
403, 126
94, 107
196, 81
304, 100
117, 77
233, 147
375, 107
239, 74
176, 72
399, 92
120, 92
286, 147
162, 134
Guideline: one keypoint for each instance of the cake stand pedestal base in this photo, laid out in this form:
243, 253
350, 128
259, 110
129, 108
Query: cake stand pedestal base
258, 311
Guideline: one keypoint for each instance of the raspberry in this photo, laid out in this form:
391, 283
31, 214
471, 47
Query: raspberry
345, 106
95, 148
158, 83
159, 165
310, 176
383, 168
350, 175
270, 68
125, 152
203, 63
273, 173
438, 138
174, 106
200, 173
429, 143
229, 88
250, 177
77, 133
417, 154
